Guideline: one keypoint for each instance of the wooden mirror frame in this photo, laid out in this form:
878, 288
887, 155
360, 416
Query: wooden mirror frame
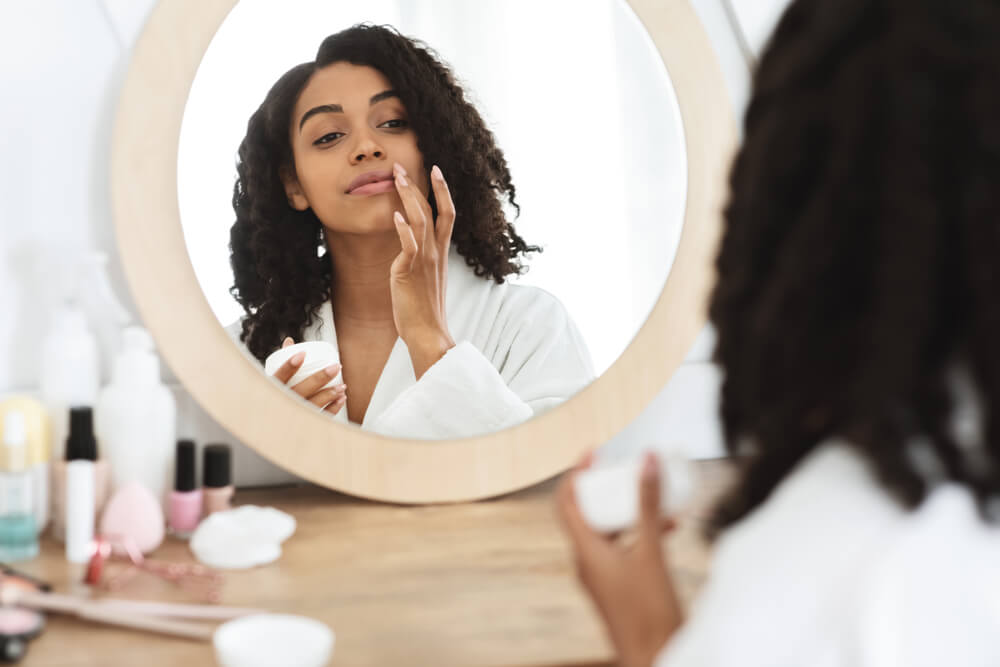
306, 441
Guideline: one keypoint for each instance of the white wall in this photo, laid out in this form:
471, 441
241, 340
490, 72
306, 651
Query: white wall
62, 63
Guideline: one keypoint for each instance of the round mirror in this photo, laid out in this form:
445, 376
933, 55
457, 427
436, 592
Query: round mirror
520, 309
593, 140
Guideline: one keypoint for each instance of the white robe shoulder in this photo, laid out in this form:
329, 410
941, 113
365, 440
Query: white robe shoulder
831, 572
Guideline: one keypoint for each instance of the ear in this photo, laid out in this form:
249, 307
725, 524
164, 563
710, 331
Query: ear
293, 190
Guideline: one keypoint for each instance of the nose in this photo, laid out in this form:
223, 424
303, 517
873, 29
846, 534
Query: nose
366, 148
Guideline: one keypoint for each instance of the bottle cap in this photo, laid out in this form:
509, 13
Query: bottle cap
81, 443
217, 466
36, 425
137, 362
184, 472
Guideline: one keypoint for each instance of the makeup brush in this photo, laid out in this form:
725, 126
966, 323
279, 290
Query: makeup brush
92, 610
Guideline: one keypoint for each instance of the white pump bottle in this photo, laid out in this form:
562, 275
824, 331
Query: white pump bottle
135, 418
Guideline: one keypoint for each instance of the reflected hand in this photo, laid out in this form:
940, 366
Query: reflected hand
419, 274
629, 584
330, 400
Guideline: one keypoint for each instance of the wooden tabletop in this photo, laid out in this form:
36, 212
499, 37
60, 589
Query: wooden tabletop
487, 583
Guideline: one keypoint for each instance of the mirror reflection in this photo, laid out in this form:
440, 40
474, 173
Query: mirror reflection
432, 237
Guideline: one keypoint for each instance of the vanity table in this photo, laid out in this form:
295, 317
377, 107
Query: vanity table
479, 583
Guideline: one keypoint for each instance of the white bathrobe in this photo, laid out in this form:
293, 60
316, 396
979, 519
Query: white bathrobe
517, 354
831, 572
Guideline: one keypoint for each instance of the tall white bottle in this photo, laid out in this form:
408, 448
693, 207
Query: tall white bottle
135, 418
70, 370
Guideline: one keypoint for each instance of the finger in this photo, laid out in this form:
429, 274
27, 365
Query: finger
404, 261
325, 397
445, 223
585, 540
289, 368
649, 500
315, 382
628, 536
414, 204
336, 405
569, 510
287, 342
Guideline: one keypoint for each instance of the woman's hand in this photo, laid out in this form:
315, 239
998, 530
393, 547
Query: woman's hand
419, 274
331, 400
630, 585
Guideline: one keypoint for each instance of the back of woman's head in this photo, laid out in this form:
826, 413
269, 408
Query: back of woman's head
856, 295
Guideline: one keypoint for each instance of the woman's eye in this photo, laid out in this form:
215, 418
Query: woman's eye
327, 138
394, 124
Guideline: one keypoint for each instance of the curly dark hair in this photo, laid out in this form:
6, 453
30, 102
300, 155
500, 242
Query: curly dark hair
857, 270
281, 268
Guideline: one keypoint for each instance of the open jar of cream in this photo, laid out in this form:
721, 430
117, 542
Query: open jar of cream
319, 355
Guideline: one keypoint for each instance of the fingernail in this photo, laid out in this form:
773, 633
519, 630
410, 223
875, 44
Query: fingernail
401, 180
332, 370
399, 169
436, 173
298, 358
398, 217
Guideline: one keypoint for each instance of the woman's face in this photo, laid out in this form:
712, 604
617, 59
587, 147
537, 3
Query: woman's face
348, 128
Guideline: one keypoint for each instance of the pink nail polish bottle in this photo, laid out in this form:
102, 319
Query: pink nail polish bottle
185, 500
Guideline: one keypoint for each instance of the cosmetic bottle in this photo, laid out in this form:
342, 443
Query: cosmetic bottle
80, 494
135, 418
18, 534
185, 501
70, 370
37, 427
80, 444
217, 477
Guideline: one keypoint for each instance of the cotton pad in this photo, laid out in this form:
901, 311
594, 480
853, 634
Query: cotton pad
241, 538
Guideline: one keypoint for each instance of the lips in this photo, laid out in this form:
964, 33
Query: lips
372, 177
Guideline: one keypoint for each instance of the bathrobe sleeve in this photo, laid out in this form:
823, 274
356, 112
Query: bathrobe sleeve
532, 360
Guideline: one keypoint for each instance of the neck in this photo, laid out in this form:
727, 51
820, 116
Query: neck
360, 289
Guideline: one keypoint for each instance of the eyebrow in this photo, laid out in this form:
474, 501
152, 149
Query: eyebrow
336, 108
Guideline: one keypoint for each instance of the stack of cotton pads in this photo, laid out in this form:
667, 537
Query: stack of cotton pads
241, 538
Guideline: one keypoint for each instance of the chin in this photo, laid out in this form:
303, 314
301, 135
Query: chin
367, 216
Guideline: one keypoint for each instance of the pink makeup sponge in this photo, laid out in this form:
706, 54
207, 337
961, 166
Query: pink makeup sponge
134, 512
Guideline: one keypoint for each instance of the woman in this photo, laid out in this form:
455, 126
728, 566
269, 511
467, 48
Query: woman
348, 231
858, 325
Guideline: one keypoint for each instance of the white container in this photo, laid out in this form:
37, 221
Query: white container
136, 419
265, 640
608, 494
319, 355
70, 371
81, 493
